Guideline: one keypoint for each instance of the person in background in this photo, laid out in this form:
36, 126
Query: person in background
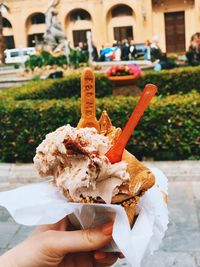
102, 55
147, 50
85, 47
80, 46
59, 245
193, 54
125, 50
132, 50
107, 53
117, 51
156, 52
114, 43
166, 63
119, 44
95, 55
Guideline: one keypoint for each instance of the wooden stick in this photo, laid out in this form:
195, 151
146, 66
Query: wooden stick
88, 107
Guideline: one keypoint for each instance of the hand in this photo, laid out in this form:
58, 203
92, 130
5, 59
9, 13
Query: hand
53, 246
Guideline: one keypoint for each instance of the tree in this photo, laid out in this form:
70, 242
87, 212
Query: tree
3, 9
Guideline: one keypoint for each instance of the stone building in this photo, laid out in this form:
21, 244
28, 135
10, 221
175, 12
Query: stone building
172, 21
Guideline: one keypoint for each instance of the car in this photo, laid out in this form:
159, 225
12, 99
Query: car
18, 55
140, 47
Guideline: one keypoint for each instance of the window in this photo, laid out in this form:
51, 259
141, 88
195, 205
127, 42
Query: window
28, 52
34, 38
121, 33
122, 10
80, 36
38, 18
9, 42
14, 54
6, 23
80, 14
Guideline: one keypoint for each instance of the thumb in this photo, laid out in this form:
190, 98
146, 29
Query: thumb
79, 241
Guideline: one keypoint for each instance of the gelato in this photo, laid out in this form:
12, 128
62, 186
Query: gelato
76, 160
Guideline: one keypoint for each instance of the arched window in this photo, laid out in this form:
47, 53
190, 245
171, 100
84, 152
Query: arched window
33, 39
38, 18
122, 10
79, 14
6, 23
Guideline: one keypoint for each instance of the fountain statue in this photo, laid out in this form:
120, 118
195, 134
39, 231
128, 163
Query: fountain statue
90, 47
54, 36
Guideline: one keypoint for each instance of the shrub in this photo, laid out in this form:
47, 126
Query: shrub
45, 58
169, 128
77, 57
57, 88
181, 80
173, 81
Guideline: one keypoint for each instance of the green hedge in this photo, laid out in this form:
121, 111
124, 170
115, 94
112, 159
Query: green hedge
56, 89
180, 80
45, 58
169, 128
173, 81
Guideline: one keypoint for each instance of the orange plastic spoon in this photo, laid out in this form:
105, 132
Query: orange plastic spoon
114, 154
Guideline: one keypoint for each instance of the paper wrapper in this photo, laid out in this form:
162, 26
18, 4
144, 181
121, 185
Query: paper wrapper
42, 203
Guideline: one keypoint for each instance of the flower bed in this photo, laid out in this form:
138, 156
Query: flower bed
123, 74
124, 70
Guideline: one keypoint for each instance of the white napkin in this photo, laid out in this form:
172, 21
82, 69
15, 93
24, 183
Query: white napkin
42, 203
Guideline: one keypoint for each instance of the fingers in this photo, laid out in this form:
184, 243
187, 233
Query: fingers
105, 259
83, 260
78, 241
78, 260
59, 226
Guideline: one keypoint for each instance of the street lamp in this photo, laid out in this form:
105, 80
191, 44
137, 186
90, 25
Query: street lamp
3, 9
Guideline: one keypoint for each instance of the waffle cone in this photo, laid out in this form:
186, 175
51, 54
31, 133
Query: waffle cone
130, 211
141, 178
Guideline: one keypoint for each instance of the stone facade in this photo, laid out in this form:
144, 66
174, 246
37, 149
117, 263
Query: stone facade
138, 20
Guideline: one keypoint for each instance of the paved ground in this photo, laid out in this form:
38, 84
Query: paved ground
181, 246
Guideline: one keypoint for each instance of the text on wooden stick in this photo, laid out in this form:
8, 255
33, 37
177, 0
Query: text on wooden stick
89, 96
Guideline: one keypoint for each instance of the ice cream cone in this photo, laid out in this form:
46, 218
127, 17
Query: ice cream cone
141, 178
130, 211
76, 158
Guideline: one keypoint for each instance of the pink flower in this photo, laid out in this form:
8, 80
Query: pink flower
123, 70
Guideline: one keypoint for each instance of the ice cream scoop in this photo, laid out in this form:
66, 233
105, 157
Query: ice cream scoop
76, 160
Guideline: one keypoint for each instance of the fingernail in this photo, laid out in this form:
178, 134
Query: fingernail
120, 255
99, 255
107, 228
